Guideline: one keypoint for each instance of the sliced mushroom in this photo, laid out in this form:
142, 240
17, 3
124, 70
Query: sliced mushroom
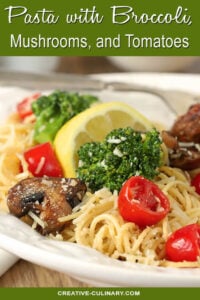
48, 198
185, 159
183, 155
183, 140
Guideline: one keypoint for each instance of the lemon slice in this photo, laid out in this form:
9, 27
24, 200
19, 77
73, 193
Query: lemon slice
93, 125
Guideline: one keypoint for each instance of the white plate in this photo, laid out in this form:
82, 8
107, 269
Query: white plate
81, 262
87, 264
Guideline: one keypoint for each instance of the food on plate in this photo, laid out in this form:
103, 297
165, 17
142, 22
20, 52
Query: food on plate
105, 179
142, 202
196, 183
45, 199
97, 223
54, 110
42, 161
123, 153
183, 244
186, 128
93, 125
183, 140
24, 107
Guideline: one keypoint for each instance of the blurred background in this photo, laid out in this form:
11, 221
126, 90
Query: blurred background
102, 64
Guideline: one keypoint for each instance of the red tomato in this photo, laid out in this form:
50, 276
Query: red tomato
24, 107
184, 244
196, 183
142, 202
42, 161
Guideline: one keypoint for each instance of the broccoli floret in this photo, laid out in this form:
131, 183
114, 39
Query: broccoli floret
122, 154
54, 110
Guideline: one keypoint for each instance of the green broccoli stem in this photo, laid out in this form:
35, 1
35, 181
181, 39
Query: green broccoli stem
54, 110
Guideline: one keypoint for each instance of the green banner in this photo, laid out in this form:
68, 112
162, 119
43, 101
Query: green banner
98, 28
99, 293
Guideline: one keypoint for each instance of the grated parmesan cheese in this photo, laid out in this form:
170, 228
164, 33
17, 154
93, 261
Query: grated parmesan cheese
117, 152
113, 140
37, 220
40, 165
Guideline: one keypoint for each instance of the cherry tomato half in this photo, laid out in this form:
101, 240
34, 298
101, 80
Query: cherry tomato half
24, 107
184, 244
142, 202
42, 161
196, 183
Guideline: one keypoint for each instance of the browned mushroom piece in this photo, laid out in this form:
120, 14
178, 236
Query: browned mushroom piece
170, 141
48, 198
183, 140
187, 127
185, 157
